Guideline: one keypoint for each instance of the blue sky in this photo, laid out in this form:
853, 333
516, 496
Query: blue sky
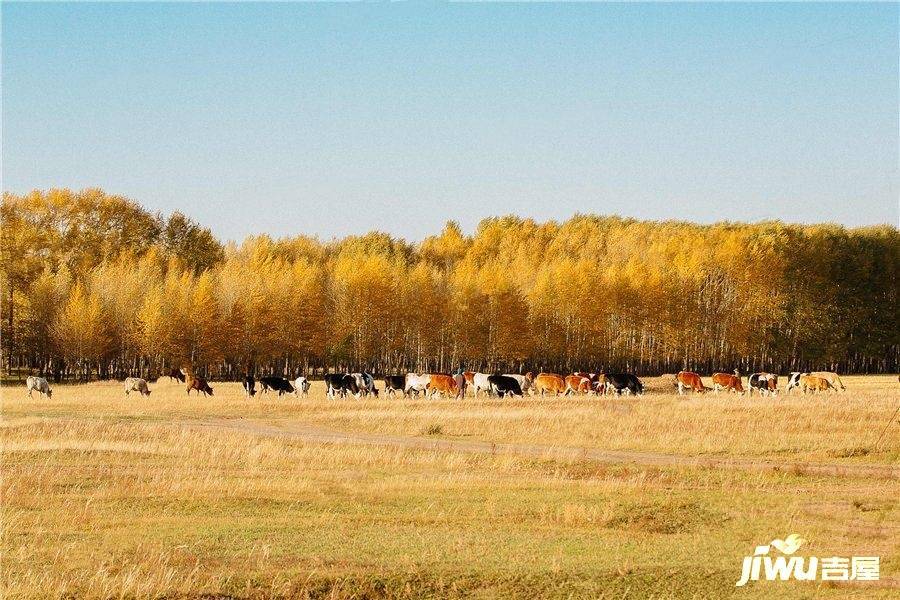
334, 119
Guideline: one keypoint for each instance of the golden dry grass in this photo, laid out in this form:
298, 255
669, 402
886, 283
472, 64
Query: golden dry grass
105, 497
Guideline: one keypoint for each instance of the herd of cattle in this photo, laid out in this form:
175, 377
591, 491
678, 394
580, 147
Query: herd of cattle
764, 383
456, 386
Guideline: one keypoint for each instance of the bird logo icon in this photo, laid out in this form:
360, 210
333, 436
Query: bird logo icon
789, 545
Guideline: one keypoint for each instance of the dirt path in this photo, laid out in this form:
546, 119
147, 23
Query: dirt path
323, 435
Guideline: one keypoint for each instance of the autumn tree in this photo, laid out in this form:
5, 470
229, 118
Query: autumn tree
99, 282
82, 330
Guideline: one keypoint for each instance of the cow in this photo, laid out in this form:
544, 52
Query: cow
766, 384
394, 384
249, 385
416, 383
577, 384
279, 384
524, 380
815, 383
442, 384
832, 378
40, 385
469, 376
728, 382
689, 379
176, 374
366, 383
600, 384
301, 386
550, 383
794, 380
198, 383
624, 382
503, 385
136, 384
598, 381
341, 384
480, 383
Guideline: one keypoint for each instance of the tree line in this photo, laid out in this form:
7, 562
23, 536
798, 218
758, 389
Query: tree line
96, 286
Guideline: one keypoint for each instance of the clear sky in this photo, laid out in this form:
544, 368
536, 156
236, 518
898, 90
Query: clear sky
333, 119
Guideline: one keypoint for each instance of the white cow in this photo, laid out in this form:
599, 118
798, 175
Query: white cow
136, 384
417, 383
40, 384
301, 386
480, 383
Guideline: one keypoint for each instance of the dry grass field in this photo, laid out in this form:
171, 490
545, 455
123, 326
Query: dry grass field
659, 496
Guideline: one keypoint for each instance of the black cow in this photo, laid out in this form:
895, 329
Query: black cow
394, 384
622, 382
176, 374
503, 385
279, 384
249, 385
340, 384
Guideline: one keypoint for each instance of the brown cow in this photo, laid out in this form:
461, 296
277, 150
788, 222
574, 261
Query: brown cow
442, 384
814, 383
176, 374
600, 384
549, 383
727, 382
689, 379
598, 380
200, 384
832, 378
577, 384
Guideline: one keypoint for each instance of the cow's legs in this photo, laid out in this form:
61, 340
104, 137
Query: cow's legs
680, 389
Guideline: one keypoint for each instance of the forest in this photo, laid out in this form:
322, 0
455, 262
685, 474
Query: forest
95, 286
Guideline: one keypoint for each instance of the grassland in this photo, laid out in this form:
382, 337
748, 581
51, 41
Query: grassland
176, 497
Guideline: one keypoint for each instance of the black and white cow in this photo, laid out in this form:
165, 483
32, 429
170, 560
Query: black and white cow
341, 384
794, 380
366, 383
249, 385
40, 384
764, 383
301, 386
624, 382
503, 385
394, 384
279, 384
